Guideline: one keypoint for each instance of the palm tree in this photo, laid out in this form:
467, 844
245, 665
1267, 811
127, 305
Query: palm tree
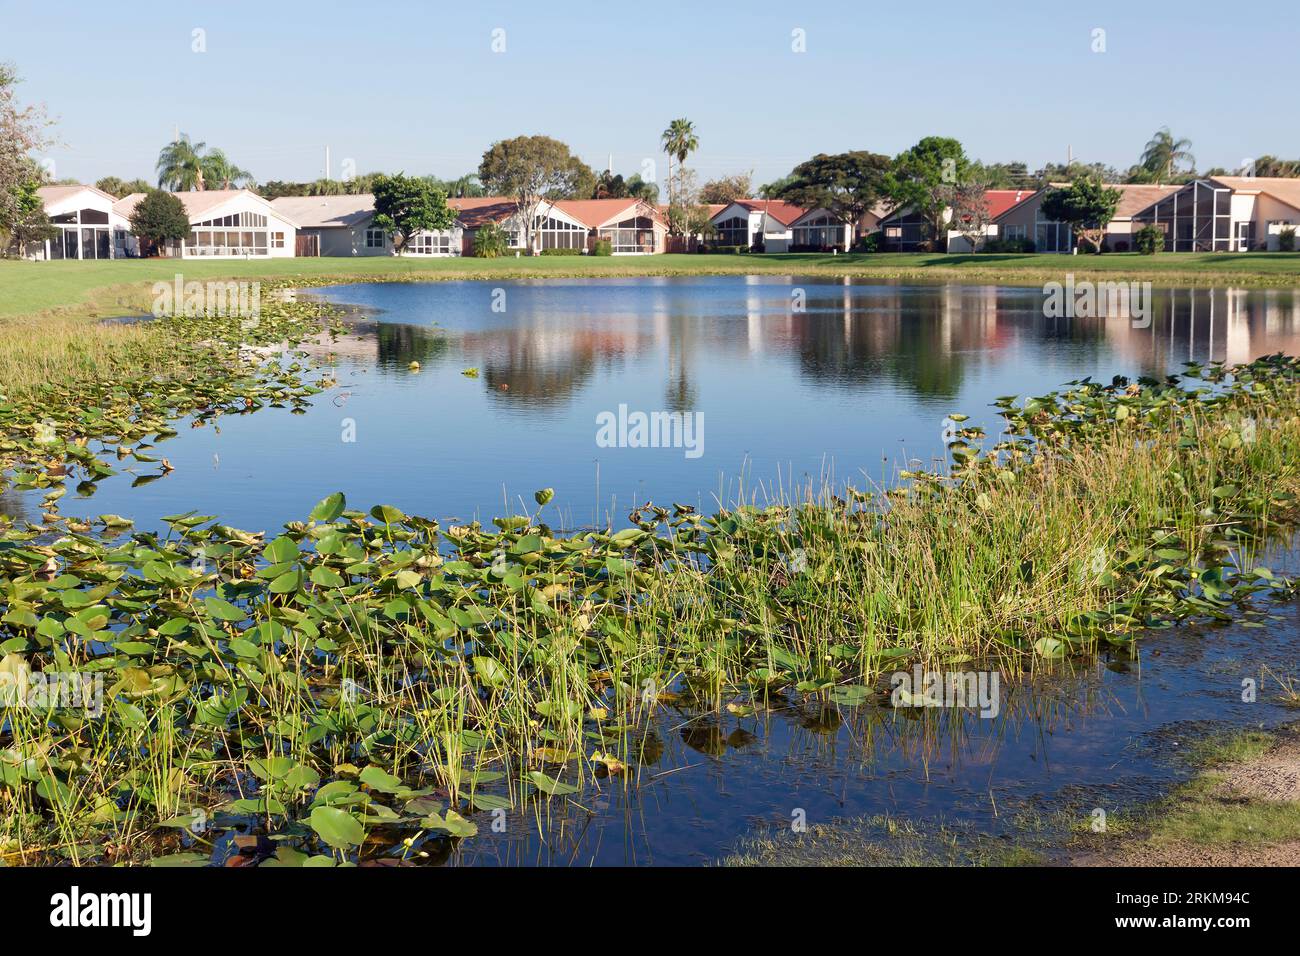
679, 140
217, 168
1163, 153
180, 165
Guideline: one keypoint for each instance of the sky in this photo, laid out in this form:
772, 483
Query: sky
425, 87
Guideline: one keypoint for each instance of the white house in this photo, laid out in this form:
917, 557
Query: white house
632, 226
88, 225
818, 230
756, 224
227, 223
344, 226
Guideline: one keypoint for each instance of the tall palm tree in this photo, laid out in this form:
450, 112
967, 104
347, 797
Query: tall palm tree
1163, 153
219, 171
679, 141
180, 165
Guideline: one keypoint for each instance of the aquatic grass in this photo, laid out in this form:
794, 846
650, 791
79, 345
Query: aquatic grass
364, 682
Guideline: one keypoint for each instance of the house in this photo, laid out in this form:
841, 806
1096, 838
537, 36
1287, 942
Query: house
632, 226
1024, 220
817, 230
763, 225
88, 225
999, 203
1224, 214
227, 223
344, 226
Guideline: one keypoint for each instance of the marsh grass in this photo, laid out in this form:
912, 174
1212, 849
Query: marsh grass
367, 683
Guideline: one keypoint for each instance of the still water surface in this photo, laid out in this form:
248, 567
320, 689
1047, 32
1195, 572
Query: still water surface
850, 388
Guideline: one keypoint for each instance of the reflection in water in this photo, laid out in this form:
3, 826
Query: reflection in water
794, 379
1088, 731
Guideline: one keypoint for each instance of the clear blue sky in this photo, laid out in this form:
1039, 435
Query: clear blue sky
416, 86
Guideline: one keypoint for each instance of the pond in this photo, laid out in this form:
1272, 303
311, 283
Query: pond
780, 382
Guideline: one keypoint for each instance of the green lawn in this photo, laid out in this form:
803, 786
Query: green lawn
99, 288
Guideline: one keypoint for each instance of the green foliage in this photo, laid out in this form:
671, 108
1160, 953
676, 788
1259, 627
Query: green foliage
1149, 240
405, 205
563, 252
490, 241
845, 184
1087, 206
160, 218
603, 247
924, 178
118, 188
530, 169
1286, 240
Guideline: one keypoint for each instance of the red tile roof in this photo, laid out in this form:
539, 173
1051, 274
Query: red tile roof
1002, 200
780, 210
598, 212
475, 211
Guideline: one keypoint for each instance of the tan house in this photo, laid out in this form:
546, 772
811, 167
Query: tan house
631, 226
1024, 220
227, 223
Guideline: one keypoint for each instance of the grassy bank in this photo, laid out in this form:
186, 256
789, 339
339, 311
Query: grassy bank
116, 287
361, 677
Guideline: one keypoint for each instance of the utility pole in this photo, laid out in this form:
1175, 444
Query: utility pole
327, 162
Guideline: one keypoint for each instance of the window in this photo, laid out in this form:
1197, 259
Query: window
430, 244
552, 233
277, 240
374, 238
1013, 232
733, 231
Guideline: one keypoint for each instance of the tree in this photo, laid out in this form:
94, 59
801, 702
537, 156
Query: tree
727, 189
773, 189
1163, 153
679, 141
846, 185
490, 241
22, 130
970, 208
405, 205
924, 178
160, 218
1087, 206
218, 169
184, 166
30, 223
529, 169
638, 188
180, 165
610, 185
117, 188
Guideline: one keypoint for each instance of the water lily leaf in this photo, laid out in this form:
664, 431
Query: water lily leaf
329, 508
337, 827
549, 785
220, 609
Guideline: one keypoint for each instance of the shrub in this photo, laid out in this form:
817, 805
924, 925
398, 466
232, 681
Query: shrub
1286, 239
603, 247
563, 252
1009, 245
490, 241
1149, 240
868, 243
729, 250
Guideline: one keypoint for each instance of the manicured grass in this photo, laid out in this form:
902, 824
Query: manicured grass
112, 287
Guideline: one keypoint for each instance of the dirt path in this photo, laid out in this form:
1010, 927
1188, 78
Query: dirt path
1245, 813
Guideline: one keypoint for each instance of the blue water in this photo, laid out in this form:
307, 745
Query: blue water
850, 388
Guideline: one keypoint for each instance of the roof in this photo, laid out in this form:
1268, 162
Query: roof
52, 195
475, 211
778, 209
598, 212
1281, 189
1134, 197
319, 212
1001, 201
199, 203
